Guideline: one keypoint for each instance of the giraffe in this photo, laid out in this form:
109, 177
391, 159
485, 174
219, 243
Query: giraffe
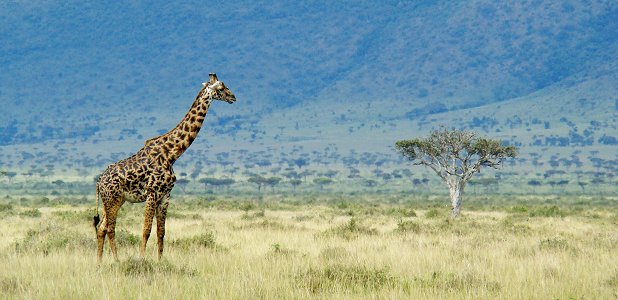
147, 176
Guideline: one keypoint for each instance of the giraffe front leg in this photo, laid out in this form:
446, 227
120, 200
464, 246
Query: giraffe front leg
148, 216
161, 215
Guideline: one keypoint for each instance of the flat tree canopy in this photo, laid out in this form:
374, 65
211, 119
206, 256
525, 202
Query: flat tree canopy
455, 155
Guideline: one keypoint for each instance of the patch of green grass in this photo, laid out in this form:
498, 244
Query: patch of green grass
547, 211
518, 209
6, 207
350, 230
555, 243
333, 253
348, 277
613, 280
453, 282
204, 240
515, 228
177, 215
126, 238
31, 213
137, 267
10, 285
53, 238
73, 215
408, 226
266, 224
432, 213
277, 249
256, 215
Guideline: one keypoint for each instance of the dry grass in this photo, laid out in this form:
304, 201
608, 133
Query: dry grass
315, 252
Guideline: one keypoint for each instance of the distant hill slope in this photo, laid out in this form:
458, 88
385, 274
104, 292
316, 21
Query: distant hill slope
360, 74
66, 62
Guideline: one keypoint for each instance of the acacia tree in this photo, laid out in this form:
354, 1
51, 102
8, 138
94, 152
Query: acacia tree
455, 156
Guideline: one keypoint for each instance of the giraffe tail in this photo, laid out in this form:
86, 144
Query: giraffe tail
96, 220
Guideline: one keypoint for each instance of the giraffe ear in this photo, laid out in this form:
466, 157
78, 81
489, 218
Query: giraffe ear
216, 86
213, 77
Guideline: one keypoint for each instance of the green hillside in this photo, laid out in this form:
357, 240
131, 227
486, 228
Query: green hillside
84, 84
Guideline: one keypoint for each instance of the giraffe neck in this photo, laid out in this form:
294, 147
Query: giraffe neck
181, 137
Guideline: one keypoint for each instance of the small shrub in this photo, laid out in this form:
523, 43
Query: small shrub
350, 230
592, 215
408, 226
518, 209
205, 240
52, 238
409, 213
6, 207
457, 282
522, 251
126, 238
164, 266
137, 267
547, 211
514, 228
265, 224
32, 213
302, 218
354, 278
333, 253
247, 206
399, 212
279, 250
613, 280
556, 243
11, 285
73, 216
258, 214
432, 213
177, 215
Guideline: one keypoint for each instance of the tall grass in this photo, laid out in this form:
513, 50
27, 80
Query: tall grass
315, 252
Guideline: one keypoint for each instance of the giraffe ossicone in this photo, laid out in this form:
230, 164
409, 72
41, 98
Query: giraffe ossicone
147, 176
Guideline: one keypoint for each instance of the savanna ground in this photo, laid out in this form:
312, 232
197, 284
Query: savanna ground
296, 247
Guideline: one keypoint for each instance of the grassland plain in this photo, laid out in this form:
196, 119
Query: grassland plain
277, 247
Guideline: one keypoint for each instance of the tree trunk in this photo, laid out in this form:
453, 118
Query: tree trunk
455, 191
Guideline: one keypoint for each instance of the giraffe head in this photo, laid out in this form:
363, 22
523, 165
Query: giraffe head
217, 90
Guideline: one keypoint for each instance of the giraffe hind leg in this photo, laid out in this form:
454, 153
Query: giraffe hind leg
111, 228
101, 232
